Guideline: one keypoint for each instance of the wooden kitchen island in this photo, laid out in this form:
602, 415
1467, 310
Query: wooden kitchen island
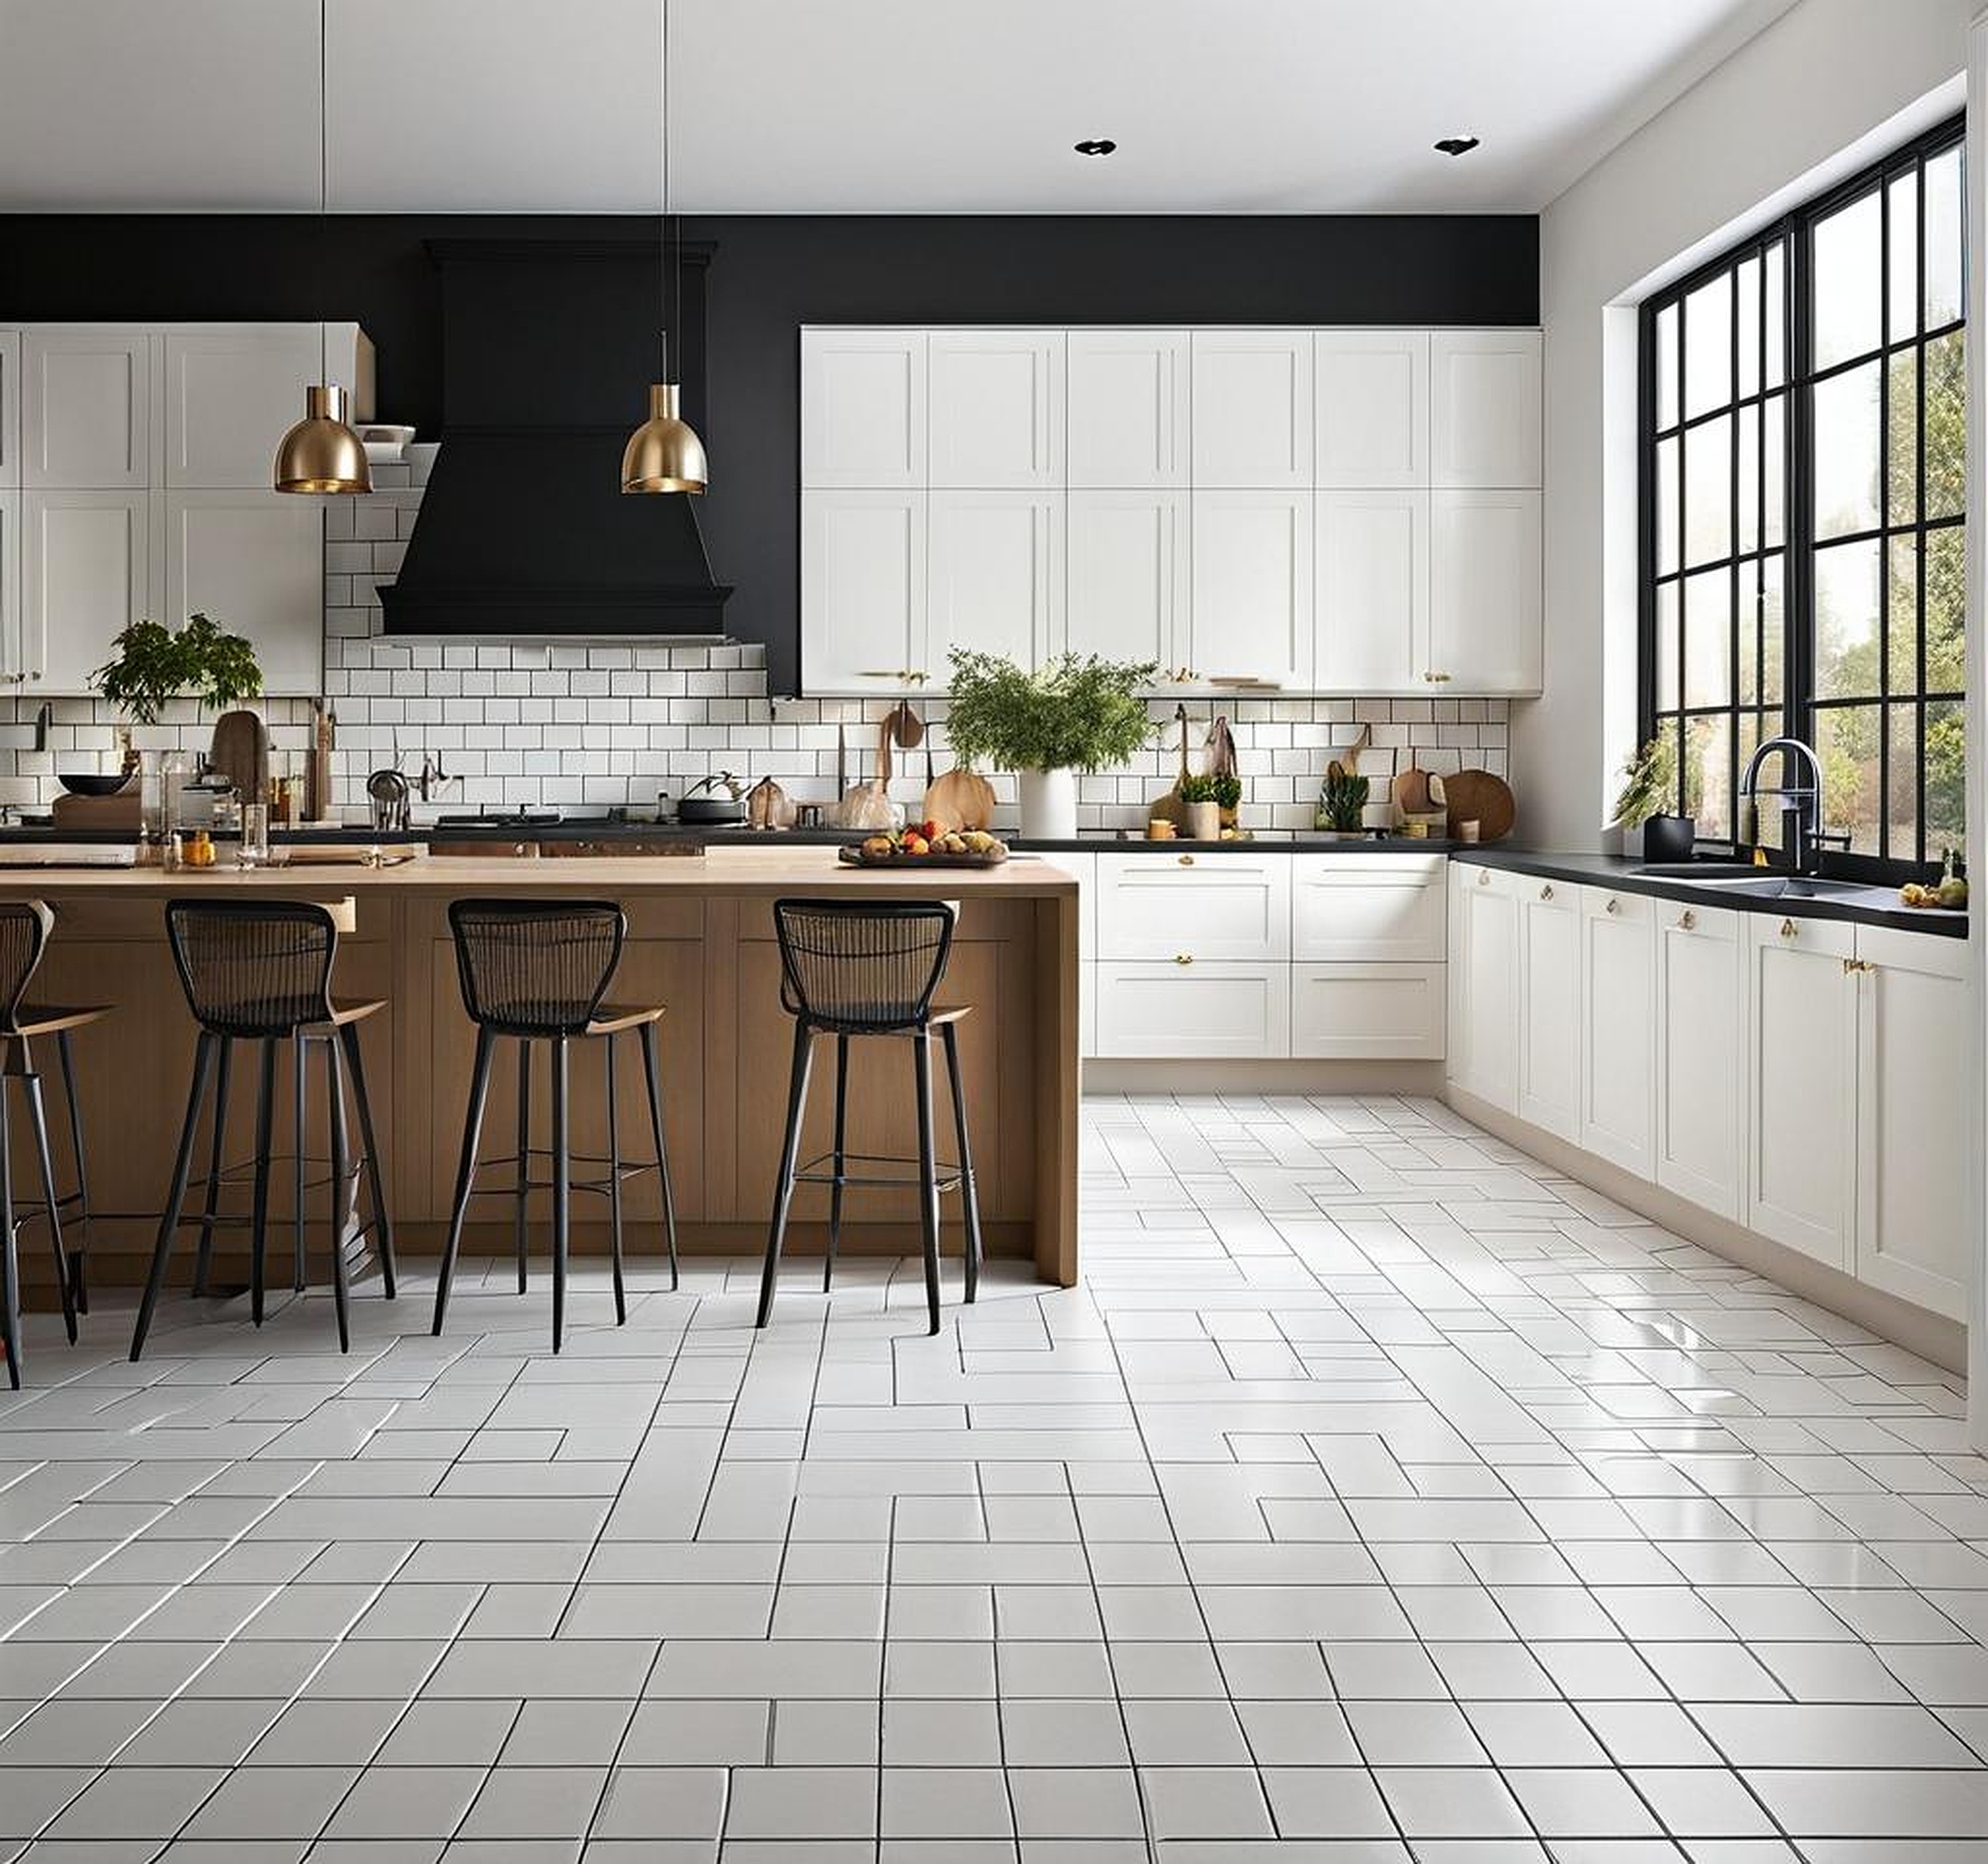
700, 940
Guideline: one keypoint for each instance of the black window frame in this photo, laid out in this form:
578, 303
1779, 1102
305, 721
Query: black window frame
1793, 233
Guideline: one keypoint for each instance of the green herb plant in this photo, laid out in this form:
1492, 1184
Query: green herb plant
1648, 782
154, 665
1075, 713
1196, 788
1341, 797
1227, 791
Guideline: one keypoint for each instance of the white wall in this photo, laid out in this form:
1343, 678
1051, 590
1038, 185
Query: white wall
1829, 85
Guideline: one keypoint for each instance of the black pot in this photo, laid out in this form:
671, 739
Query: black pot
1669, 837
711, 809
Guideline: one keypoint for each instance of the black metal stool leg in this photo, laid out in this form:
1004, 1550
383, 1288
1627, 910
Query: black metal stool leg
203, 1060
524, 1158
928, 1173
465, 1173
299, 1094
614, 1184
38, 1119
382, 1218
841, 1156
259, 1216
969, 1194
9, 1262
783, 1190
562, 1168
335, 1120
79, 1289
203, 1254
652, 1072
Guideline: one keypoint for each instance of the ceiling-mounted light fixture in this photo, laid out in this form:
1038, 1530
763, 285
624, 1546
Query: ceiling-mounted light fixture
665, 453
1456, 145
1095, 145
321, 453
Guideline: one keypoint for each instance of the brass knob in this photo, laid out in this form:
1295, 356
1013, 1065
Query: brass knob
1483, 877
1546, 892
1788, 929
1614, 905
1185, 860
1686, 920
1183, 957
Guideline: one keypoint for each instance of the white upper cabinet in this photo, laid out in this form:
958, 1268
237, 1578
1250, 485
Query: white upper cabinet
1486, 413
10, 408
996, 408
1372, 608
1252, 617
1371, 425
1127, 577
1485, 601
86, 408
1253, 409
230, 395
1127, 403
11, 667
863, 408
253, 560
88, 573
995, 574
863, 589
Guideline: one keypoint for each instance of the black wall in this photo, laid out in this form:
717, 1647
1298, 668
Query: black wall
767, 277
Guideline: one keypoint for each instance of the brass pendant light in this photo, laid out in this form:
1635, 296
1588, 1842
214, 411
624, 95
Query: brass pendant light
321, 453
665, 453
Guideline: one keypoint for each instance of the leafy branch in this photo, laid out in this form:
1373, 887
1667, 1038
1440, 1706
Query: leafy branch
1077, 713
154, 665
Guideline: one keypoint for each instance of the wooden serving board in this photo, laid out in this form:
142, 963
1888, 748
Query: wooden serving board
1477, 795
851, 857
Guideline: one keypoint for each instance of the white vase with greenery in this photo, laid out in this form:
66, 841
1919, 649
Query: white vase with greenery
1075, 713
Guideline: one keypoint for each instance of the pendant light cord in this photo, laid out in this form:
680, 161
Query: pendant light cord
670, 274
324, 187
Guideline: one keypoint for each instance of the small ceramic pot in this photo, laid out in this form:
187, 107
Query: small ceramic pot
1204, 821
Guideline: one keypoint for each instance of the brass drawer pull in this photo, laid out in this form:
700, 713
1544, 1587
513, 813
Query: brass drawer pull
1856, 964
1614, 906
1687, 920
1546, 892
1185, 860
1789, 929
1483, 877
1183, 957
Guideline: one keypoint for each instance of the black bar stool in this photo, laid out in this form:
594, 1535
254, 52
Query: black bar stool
24, 927
260, 971
536, 971
851, 968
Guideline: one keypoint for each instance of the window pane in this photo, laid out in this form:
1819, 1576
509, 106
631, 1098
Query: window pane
1665, 690
1846, 620
1902, 620
1902, 437
1708, 776
1667, 472
1708, 346
1666, 340
1774, 507
1747, 291
1944, 288
1708, 638
1946, 422
1747, 678
1846, 740
1775, 371
1748, 539
1944, 567
1901, 786
1709, 491
1754, 728
1845, 308
1946, 771
1773, 637
1846, 453
1901, 296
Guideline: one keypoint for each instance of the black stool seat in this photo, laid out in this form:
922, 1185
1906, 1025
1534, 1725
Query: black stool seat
260, 971
857, 968
535, 971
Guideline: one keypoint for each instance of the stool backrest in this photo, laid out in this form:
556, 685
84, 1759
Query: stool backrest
860, 966
254, 967
535, 967
23, 934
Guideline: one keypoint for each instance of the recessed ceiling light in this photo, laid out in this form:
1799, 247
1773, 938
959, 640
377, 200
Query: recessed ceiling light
1096, 145
1456, 144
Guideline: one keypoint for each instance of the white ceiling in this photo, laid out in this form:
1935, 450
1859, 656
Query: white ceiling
861, 106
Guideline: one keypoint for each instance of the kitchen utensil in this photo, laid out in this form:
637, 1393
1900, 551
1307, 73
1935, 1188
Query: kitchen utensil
324, 730
842, 760
1350, 758
960, 800
390, 794
1167, 806
240, 752
907, 727
1478, 796
1411, 789
93, 782
712, 807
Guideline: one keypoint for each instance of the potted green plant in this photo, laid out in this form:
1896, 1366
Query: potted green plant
154, 665
1648, 782
1228, 796
1342, 798
1204, 810
1074, 713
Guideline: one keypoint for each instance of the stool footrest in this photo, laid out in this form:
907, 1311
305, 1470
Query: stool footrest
820, 1170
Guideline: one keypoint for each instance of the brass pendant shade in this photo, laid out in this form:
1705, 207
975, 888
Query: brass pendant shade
665, 453
321, 453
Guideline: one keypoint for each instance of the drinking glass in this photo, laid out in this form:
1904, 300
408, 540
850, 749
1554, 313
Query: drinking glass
252, 850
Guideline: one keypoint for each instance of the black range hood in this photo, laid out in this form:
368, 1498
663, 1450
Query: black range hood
547, 349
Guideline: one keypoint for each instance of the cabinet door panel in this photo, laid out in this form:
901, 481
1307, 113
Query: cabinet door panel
1372, 428
1252, 619
995, 400
229, 397
1490, 998
863, 408
862, 590
1618, 1029
1367, 1012
11, 582
1485, 416
86, 417
1485, 612
254, 561
1174, 905
1127, 407
1701, 1056
1127, 575
1253, 409
1378, 908
1210, 1009
87, 576
995, 573
10, 407
1549, 1043
1372, 599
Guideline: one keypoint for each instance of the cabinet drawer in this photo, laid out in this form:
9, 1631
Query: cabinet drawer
1391, 1012
1382, 908
1201, 906
1194, 1010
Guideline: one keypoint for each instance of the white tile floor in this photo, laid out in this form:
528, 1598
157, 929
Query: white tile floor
1381, 1496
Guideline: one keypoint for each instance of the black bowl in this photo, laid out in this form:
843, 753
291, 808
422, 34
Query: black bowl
92, 783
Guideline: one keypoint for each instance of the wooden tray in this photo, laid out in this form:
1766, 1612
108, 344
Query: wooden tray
854, 857
1477, 795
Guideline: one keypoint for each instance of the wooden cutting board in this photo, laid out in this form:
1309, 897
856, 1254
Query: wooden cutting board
1167, 806
1411, 789
1477, 795
960, 800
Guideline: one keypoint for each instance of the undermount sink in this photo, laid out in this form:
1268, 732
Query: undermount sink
1797, 886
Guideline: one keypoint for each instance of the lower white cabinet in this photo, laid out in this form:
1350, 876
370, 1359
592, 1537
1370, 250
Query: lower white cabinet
1701, 1056
254, 561
1549, 1019
1368, 908
1194, 1010
1802, 1098
1484, 985
1367, 1012
1618, 1084
1913, 1140
87, 563
1195, 906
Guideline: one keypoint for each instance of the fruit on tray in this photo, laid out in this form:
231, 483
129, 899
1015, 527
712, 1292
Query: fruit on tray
1949, 891
917, 839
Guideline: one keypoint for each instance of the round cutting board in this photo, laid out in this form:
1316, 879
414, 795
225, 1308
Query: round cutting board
1478, 795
